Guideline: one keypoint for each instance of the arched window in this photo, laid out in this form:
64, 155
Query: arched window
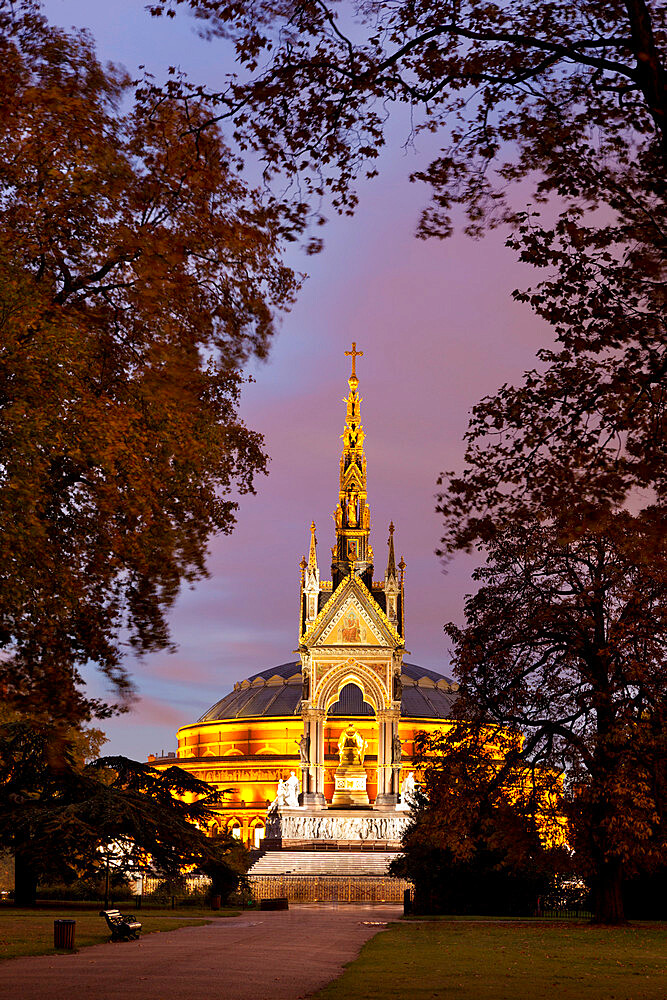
258, 835
351, 702
235, 829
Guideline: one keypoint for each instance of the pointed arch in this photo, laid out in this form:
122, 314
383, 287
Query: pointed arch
351, 672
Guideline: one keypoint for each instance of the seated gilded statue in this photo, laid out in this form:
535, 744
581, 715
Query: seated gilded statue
351, 747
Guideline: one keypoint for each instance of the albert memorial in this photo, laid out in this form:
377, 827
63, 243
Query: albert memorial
318, 750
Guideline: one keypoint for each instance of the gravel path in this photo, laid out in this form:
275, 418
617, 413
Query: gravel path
281, 955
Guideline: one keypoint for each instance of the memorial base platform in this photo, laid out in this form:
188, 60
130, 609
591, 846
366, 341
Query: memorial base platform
342, 875
306, 827
329, 855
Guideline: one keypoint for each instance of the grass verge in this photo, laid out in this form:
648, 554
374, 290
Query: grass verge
30, 932
506, 961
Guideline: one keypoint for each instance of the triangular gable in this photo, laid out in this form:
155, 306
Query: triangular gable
351, 627
352, 618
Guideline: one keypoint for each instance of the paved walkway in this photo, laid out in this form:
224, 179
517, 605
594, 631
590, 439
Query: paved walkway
282, 955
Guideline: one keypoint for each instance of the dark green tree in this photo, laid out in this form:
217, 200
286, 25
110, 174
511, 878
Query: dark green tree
60, 816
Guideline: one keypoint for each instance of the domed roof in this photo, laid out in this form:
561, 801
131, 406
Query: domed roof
277, 692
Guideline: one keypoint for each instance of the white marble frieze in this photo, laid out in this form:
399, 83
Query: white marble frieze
335, 827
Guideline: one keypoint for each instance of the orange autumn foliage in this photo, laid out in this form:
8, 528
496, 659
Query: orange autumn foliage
137, 276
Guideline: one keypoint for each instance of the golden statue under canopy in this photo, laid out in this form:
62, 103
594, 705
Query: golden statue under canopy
351, 746
351, 773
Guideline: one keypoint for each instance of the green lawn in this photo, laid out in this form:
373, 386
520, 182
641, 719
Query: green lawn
30, 932
508, 961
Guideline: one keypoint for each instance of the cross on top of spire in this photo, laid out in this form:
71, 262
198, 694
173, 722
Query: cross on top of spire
354, 354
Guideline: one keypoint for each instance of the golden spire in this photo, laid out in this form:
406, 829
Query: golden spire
312, 555
353, 434
352, 515
353, 460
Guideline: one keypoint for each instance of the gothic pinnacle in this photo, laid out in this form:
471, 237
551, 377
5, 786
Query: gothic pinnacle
391, 563
312, 555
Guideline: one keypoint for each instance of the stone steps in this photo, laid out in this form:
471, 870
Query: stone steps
348, 863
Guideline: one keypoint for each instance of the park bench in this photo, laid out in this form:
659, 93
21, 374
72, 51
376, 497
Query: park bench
123, 926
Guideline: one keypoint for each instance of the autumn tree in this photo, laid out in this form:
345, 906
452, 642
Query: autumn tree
485, 832
138, 275
553, 119
60, 813
565, 643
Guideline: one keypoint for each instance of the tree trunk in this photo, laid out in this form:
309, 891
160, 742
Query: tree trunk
649, 70
25, 882
609, 894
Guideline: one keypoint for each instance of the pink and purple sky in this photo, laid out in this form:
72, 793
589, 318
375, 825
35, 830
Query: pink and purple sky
438, 329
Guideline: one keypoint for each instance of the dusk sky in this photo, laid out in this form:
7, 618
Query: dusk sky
438, 329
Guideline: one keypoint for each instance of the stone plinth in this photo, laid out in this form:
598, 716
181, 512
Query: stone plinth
350, 786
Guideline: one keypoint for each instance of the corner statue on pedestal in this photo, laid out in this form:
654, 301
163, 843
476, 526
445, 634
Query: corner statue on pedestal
408, 792
292, 791
281, 794
287, 794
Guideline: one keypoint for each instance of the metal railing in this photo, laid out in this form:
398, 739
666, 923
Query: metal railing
329, 888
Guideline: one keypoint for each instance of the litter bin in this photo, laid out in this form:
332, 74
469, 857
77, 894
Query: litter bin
63, 934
